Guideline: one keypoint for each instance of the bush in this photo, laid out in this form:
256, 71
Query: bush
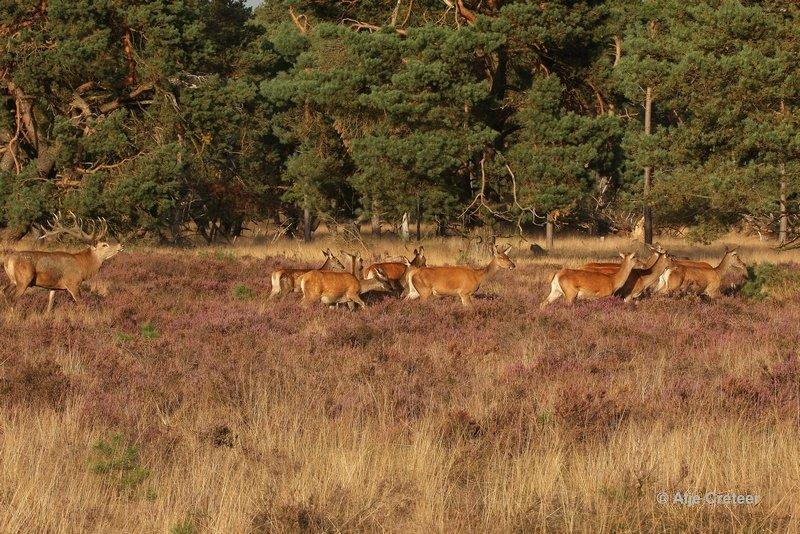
242, 292
121, 462
767, 280
149, 331
40, 383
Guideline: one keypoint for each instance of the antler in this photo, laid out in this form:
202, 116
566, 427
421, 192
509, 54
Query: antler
98, 228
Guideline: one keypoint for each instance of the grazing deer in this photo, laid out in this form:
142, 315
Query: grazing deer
59, 271
457, 281
396, 270
287, 280
579, 284
699, 277
337, 288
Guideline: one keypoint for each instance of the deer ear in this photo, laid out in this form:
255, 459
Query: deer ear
621, 255
416, 252
508, 249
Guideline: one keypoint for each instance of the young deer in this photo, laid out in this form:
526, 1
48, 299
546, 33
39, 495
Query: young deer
59, 271
579, 284
699, 277
396, 270
336, 288
462, 282
286, 280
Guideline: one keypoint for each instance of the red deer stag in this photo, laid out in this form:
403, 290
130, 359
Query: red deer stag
396, 270
455, 281
337, 288
287, 280
699, 277
579, 284
59, 270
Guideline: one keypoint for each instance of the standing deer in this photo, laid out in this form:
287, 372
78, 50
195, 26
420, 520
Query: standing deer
396, 270
59, 270
455, 281
580, 284
337, 288
699, 277
287, 280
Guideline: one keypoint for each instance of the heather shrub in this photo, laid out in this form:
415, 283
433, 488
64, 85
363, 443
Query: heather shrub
242, 292
36, 383
121, 463
149, 331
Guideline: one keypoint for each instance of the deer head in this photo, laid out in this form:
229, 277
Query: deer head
419, 258
733, 257
356, 264
97, 230
501, 257
331, 260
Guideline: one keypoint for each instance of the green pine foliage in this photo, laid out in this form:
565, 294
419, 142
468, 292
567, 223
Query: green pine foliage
174, 118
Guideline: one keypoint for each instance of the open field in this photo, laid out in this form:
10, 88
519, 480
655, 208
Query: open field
176, 398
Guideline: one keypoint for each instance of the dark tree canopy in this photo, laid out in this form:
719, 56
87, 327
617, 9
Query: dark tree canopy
171, 118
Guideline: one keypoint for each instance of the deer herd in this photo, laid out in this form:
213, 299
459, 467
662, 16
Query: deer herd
334, 283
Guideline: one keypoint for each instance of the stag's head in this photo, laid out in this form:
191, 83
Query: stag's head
89, 231
501, 257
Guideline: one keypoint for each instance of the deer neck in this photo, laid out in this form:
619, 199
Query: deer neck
370, 284
621, 276
657, 268
90, 262
489, 270
724, 264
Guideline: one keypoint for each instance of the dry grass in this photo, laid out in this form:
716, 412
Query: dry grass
249, 416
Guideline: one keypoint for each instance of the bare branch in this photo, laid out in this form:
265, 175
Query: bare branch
300, 21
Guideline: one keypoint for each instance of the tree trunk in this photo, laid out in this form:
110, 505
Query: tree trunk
648, 171
307, 229
45, 154
783, 230
419, 222
404, 227
376, 219
9, 158
548, 232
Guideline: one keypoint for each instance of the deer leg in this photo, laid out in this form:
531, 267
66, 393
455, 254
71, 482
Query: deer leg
466, 300
50, 298
424, 293
357, 299
74, 292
